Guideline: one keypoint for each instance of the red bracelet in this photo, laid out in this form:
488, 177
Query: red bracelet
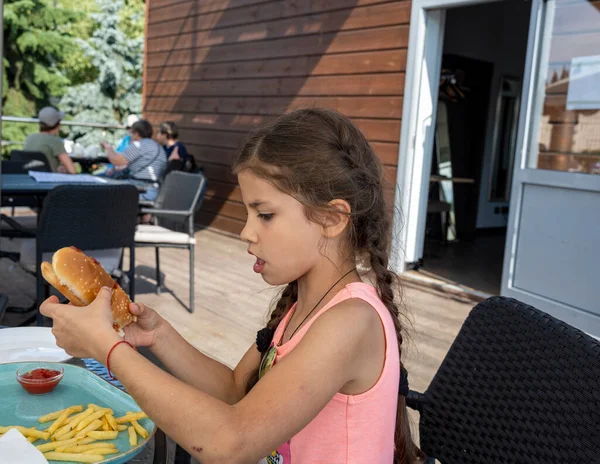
110, 352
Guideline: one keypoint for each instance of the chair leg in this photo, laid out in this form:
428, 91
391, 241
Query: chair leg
132, 273
156, 252
191, 308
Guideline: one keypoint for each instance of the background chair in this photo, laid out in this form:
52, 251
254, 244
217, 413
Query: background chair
517, 386
179, 198
34, 160
99, 219
21, 167
3, 305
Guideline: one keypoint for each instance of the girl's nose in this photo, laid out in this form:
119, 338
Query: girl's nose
247, 235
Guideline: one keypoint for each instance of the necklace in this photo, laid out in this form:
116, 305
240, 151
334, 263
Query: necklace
314, 307
269, 357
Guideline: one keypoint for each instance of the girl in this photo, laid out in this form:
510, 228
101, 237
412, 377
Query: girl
321, 384
168, 137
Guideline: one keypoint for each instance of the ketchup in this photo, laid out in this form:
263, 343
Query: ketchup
39, 381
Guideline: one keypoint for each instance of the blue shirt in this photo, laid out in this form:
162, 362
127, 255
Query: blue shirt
123, 144
181, 150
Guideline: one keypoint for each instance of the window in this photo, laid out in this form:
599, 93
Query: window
568, 131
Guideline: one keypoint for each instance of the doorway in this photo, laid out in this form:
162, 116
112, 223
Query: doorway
484, 49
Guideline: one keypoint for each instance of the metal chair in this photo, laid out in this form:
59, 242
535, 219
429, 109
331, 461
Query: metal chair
179, 198
517, 386
34, 160
91, 218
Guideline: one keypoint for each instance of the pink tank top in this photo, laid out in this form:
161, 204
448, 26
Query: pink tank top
350, 429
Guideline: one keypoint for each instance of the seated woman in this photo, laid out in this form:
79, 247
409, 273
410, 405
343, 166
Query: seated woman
168, 137
145, 158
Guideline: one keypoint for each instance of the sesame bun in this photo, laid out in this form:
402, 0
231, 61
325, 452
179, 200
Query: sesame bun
79, 278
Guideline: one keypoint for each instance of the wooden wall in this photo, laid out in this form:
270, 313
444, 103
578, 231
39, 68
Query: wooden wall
219, 68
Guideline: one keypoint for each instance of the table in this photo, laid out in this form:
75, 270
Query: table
147, 456
25, 185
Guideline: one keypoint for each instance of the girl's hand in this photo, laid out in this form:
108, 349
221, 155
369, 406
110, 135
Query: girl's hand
83, 331
145, 331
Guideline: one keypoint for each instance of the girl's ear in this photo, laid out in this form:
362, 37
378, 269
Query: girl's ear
336, 220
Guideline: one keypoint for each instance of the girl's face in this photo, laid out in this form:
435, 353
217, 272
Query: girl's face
161, 138
285, 243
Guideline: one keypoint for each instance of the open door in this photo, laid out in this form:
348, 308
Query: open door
552, 256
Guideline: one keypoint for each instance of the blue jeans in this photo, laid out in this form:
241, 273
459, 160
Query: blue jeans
150, 194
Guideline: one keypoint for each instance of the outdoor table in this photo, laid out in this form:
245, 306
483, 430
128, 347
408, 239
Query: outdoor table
25, 185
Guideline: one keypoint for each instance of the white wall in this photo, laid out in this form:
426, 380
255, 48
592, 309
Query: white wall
497, 33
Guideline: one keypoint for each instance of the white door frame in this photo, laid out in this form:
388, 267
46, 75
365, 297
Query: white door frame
425, 45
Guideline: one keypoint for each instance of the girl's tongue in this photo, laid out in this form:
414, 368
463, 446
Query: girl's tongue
259, 265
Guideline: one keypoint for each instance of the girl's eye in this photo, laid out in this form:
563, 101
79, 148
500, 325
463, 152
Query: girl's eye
265, 216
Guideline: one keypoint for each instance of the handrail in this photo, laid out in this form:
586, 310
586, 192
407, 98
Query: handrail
97, 125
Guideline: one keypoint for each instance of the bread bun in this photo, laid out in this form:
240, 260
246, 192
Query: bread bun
79, 278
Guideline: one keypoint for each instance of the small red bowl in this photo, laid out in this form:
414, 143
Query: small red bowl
40, 379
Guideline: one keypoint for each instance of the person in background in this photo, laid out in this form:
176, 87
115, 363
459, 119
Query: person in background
145, 158
126, 140
49, 143
168, 137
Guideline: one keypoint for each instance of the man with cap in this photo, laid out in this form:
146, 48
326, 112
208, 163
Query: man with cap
48, 142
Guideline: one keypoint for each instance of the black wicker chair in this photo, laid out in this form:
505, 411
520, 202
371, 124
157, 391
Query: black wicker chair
517, 386
179, 198
89, 217
34, 160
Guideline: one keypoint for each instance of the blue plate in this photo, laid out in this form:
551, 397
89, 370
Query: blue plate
79, 386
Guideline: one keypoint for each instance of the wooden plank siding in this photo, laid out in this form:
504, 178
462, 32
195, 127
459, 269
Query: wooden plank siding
220, 68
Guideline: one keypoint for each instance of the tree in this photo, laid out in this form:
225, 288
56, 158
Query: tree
117, 58
36, 40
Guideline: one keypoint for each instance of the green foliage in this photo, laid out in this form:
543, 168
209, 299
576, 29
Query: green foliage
116, 91
36, 38
84, 56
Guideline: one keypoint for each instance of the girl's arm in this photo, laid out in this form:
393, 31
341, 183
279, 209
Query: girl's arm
331, 355
193, 367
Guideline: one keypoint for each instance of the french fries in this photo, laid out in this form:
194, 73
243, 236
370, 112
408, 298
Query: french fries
63, 418
93, 417
82, 448
132, 436
73, 457
27, 432
112, 422
103, 435
131, 416
51, 416
91, 427
139, 429
78, 435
